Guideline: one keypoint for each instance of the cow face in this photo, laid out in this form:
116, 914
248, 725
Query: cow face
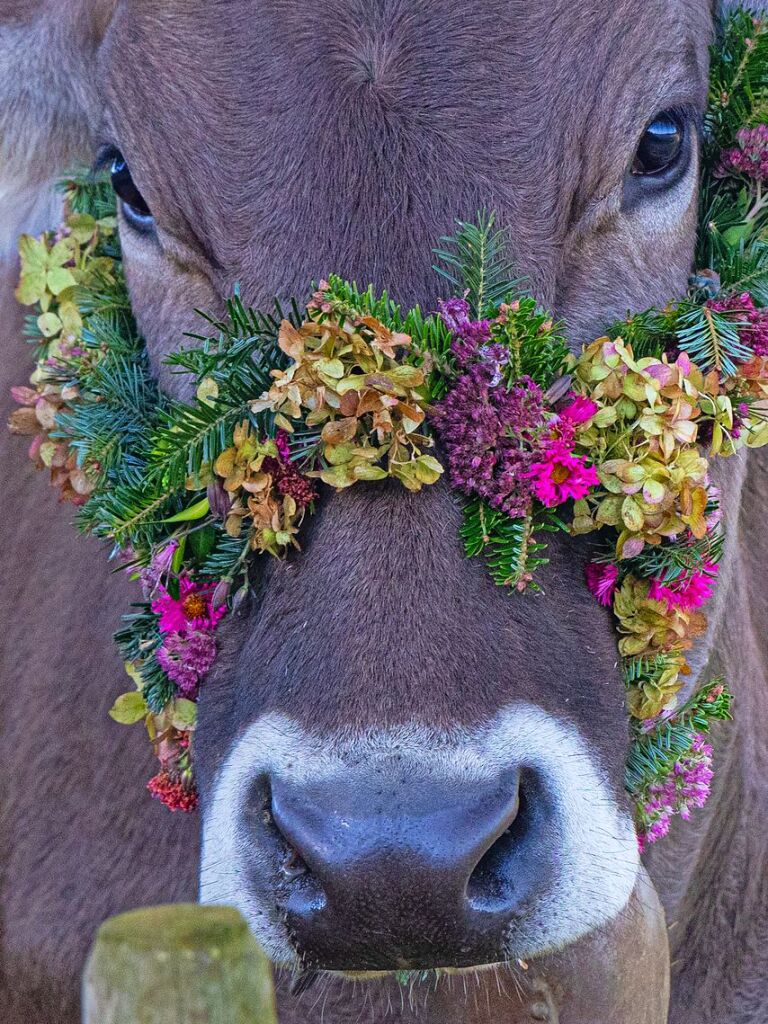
402, 765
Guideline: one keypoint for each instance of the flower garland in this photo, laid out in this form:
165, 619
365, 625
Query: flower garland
616, 441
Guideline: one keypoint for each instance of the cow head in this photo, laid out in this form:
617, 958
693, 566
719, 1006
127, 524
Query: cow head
402, 765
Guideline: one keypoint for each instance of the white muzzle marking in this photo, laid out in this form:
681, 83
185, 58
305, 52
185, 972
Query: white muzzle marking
598, 856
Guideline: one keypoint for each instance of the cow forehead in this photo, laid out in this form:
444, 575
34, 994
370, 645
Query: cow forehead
245, 120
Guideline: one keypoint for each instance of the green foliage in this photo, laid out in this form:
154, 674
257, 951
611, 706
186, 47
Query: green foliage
474, 261
667, 562
742, 268
89, 193
137, 641
109, 426
227, 559
712, 340
537, 347
651, 332
738, 80
510, 547
733, 216
654, 753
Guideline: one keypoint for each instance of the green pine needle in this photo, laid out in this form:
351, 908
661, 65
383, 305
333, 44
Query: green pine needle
653, 754
712, 340
474, 261
510, 547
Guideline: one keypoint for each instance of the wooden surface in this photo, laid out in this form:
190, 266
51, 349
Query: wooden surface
177, 964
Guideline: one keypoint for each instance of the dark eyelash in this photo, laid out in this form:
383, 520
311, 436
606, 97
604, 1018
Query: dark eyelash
105, 154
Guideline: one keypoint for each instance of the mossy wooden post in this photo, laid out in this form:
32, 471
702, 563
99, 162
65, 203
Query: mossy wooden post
177, 964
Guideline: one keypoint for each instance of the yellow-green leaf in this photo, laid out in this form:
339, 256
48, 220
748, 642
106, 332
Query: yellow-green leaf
207, 390
31, 287
338, 476
407, 376
49, 324
366, 471
632, 515
82, 226
428, 469
33, 253
59, 279
129, 708
283, 423
198, 510
333, 368
64, 250
338, 454
184, 714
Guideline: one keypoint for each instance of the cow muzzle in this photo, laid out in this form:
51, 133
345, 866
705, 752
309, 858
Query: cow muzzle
411, 874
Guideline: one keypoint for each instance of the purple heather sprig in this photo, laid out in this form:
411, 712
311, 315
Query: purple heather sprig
186, 658
492, 435
749, 157
687, 785
469, 335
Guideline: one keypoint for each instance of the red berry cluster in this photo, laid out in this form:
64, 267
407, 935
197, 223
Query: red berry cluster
173, 792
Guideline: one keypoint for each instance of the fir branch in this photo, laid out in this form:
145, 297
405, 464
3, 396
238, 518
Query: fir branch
130, 512
227, 560
475, 263
536, 344
89, 193
738, 81
193, 436
654, 753
650, 333
712, 340
138, 641
667, 562
510, 547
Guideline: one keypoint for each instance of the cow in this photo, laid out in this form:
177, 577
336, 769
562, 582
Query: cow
386, 736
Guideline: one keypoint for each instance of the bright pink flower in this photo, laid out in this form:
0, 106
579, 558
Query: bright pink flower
561, 475
580, 409
689, 591
192, 610
601, 580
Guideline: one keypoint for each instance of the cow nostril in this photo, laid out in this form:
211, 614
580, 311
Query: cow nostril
494, 882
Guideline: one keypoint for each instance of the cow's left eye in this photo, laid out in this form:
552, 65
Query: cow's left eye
661, 145
134, 205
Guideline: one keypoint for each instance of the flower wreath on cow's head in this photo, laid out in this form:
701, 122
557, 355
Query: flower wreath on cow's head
615, 441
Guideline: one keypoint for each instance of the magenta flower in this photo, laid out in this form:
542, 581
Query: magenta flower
688, 591
579, 410
186, 658
192, 609
602, 579
560, 475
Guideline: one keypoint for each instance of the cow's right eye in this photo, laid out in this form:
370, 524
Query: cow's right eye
660, 146
134, 206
